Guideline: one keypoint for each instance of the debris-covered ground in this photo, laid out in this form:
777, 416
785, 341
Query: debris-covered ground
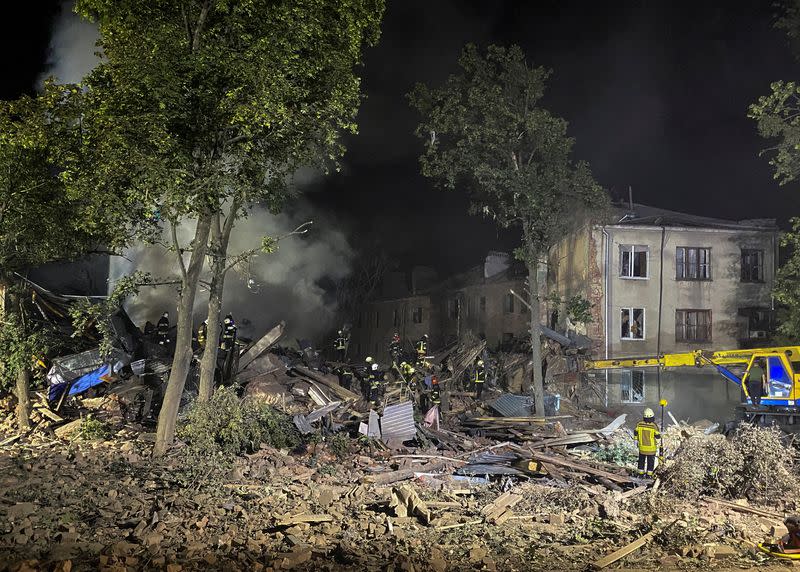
93, 498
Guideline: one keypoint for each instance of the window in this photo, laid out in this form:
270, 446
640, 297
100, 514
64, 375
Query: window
416, 316
508, 304
758, 322
752, 265
377, 319
632, 324
469, 307
395, 317
483, 304
692, 263
692, 325
633, 261
632, 386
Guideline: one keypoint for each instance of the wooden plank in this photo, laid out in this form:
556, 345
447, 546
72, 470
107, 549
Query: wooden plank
623, 552
555, 460
309, 518
334, 386
744, 509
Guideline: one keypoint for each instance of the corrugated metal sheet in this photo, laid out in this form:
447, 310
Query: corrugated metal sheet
373, 427
398, 422
511, 405
491, 458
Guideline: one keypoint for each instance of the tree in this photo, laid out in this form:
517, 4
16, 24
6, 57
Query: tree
778, 119
485, 132
202, 106
39, 223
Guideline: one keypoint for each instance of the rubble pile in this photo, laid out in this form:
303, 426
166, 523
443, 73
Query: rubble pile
754, 462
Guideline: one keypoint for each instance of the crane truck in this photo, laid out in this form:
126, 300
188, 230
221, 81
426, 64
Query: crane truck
781, 398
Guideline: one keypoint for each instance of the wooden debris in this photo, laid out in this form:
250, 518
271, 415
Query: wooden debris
66, 431
582, 467
745, 509
498, 511
406, 502
304, 518
623, 552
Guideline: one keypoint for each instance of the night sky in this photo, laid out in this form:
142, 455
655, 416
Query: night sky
656, 95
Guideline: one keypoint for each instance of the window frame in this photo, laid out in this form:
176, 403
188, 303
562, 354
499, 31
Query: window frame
631, 248
686, 266
508, 304
750, 251
628, 379
417, 315
631, 310
683, 326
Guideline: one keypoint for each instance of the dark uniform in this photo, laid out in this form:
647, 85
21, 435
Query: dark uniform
162, 329
345, 375
647, 436
395, 349
376, 379
480, 378
340, 347
228, 338
202, 335
436, 397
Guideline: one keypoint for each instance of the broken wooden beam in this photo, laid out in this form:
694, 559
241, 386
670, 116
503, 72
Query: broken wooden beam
304, 518
623, 552
582, 467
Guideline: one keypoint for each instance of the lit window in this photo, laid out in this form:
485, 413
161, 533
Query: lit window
632, 324
633, 261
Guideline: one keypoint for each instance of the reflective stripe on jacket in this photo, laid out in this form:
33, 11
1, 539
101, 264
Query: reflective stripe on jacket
647, 435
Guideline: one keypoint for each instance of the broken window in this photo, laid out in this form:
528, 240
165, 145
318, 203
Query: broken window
752, 265
395, 317
692, 263
632, 324
508, 304
633, 261
692, 325
483, 304
417, 315
758, 322
632, 386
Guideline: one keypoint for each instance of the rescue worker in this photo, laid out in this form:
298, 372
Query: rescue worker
345, 375
480, 378
340, 346
647, 435
790, 543
228, 337
202, 335
162, 329
422, 349
436, 397
395, 348
376, 377
365, 378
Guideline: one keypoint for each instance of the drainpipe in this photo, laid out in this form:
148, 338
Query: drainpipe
607, 300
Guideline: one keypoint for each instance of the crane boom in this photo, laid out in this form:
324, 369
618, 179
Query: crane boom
696, 358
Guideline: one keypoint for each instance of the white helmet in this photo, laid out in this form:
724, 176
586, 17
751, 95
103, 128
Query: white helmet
374, 367
368, 360
648, 414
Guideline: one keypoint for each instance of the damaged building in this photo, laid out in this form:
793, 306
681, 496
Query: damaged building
660, 282
478, 301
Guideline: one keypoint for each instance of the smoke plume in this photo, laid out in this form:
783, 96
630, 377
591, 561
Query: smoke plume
288, 284
71, 54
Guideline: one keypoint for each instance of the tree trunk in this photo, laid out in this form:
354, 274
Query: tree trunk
219, 245
536, 338
167, 418
23, 399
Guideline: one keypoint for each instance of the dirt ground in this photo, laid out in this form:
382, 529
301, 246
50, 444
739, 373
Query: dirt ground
87, 505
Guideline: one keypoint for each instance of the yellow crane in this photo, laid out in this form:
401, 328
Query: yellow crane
781, 366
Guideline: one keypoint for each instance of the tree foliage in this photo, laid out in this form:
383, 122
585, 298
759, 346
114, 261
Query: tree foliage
485, 132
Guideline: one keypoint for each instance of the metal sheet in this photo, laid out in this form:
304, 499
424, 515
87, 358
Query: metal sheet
322, 412
302, 424
488, 470
398, 423
492, 458
511, 405
373, 427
